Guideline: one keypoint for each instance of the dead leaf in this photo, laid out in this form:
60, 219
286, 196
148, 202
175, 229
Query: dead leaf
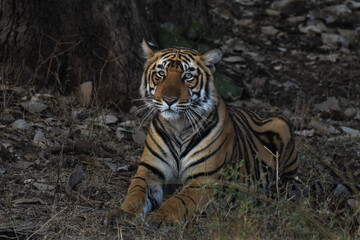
305, 133
353, 204
20, 124
39, 139
116, 167
24, 164
76, 176
44, 187
331, 103
333, 40
33, 106
317, 124
269, 30
338, 115
85, 92
233, 59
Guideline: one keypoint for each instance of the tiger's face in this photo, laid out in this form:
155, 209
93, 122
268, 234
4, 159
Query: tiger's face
178, 82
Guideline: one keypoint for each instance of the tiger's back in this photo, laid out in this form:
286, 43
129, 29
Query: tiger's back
258, 141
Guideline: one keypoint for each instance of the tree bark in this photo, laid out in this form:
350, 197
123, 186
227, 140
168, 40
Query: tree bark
65, 43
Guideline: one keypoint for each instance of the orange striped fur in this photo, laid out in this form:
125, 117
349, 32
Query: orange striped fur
194, 134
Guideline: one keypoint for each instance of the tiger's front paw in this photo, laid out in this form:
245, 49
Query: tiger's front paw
160, 218
120, 216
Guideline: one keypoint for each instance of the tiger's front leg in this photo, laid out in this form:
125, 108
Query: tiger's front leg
183, 205
144, 194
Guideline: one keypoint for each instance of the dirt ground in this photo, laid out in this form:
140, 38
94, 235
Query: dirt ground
63, 166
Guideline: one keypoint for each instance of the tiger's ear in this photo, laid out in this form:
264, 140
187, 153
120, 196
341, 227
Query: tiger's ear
212, 57
149, 49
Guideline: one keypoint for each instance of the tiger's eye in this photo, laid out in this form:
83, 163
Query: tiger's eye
188, 76
161, 73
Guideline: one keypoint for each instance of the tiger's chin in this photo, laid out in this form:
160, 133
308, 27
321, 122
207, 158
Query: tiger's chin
170, 115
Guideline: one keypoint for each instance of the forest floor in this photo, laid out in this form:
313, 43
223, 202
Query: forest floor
63, 166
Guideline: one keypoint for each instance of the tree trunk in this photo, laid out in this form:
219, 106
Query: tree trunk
65, 43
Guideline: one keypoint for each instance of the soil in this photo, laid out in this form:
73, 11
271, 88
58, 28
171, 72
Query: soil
56, 177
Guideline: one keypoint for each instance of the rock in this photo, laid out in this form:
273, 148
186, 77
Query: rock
24, 164
278, 67
353, 204
7, 118
353, 4
288, 6
338, 10
139, 137
33, 106
18, 89
248, 23
273, 13
269, 30
20, 124
120, 134
130, 124
350, 112
289, 84
330, 58
334, 40
296, 19
351, 35
107, 119
233, 59
313, 26
352, 132
258, 84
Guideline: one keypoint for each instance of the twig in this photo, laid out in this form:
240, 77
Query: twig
277, 171
47, 222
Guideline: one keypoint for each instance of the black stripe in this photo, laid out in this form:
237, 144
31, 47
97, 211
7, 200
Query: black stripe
203, 159
207, 92
212, 142
289, 174
208, 173
270, 136
259, 121
290, 164
182, 201
240, 140
142, 189
157, 144
155, 153
183, 195
165, 137
153, 169
213, 121
240, 117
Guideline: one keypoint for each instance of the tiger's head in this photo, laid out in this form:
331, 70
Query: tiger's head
178, 82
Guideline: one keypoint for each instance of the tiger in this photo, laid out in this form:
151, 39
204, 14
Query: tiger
194, 134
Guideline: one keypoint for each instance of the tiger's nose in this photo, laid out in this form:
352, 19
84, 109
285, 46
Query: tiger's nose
170, 100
